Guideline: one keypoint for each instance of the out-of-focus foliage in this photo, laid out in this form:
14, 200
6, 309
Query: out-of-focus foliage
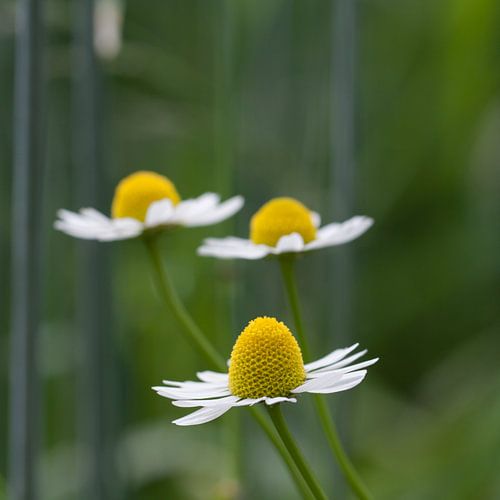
235, 97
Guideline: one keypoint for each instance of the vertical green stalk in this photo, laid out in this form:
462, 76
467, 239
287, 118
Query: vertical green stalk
25, 252
203, 345
288, 272
293, 449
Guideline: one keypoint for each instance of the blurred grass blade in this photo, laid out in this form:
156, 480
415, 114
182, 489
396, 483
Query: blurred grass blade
26, 210
93, 308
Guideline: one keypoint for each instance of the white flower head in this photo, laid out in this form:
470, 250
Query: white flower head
266, 366
284, 225
146, 201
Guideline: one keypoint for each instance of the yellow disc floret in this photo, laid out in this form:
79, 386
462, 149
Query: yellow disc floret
279, 217
135, 193
266, 361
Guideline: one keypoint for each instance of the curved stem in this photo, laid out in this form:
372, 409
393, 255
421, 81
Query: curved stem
346, 465
274, 437
288, 272
293, 449
173, 302
204, 346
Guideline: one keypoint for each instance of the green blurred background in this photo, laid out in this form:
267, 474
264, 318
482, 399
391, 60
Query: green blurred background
239, 97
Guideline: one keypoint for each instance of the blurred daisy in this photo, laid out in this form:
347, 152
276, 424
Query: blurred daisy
266, 366
284, 225
145, 201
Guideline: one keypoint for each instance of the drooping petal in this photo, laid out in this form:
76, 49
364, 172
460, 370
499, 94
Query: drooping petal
193, 403
92, 225
178, 393
314, 384
160, 212
347, 382
273, 401
202, 416
290, 243
231, 249
210, 376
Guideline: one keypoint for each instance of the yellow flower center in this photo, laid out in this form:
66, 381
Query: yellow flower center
266, 361
135, 193
279, 217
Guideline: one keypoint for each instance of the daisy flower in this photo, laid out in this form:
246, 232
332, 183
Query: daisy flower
284, 225
266, 366
146, 201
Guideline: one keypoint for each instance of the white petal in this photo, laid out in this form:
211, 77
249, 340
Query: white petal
92, 225
344, 361
273, 401
290, 243
210, 376
333, 357
194, 207
231, 249
344, 384
159, 212
193, 403
249, 401
217, 214
316, 219
202, 416
94, 214
339, 233
191, 393
352, 368
314, 384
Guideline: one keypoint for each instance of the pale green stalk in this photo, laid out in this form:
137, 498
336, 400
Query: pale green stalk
287, 269
293, 449
200, 342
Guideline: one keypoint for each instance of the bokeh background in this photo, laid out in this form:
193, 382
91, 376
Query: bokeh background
387, 108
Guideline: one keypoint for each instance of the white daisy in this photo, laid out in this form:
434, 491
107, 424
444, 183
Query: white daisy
284, 225
146, 201
266, 366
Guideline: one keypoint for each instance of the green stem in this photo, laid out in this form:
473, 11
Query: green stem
287, 263
274, 437
293, 449
288, 272
174, 303
203, 345
346, 465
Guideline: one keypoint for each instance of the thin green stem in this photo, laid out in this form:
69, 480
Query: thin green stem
354, 480
293, 449
274, 437
287, 263
203, 345
173, 302
346, 465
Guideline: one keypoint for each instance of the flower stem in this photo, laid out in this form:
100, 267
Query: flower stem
173, 302
204, 346
293, 449
275, 438
288, 272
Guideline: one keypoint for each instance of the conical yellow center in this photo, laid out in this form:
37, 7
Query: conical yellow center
279, 217
135, 193
266, 361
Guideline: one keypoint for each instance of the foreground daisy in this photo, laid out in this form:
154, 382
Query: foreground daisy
146, 201
265, 366
284, 225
